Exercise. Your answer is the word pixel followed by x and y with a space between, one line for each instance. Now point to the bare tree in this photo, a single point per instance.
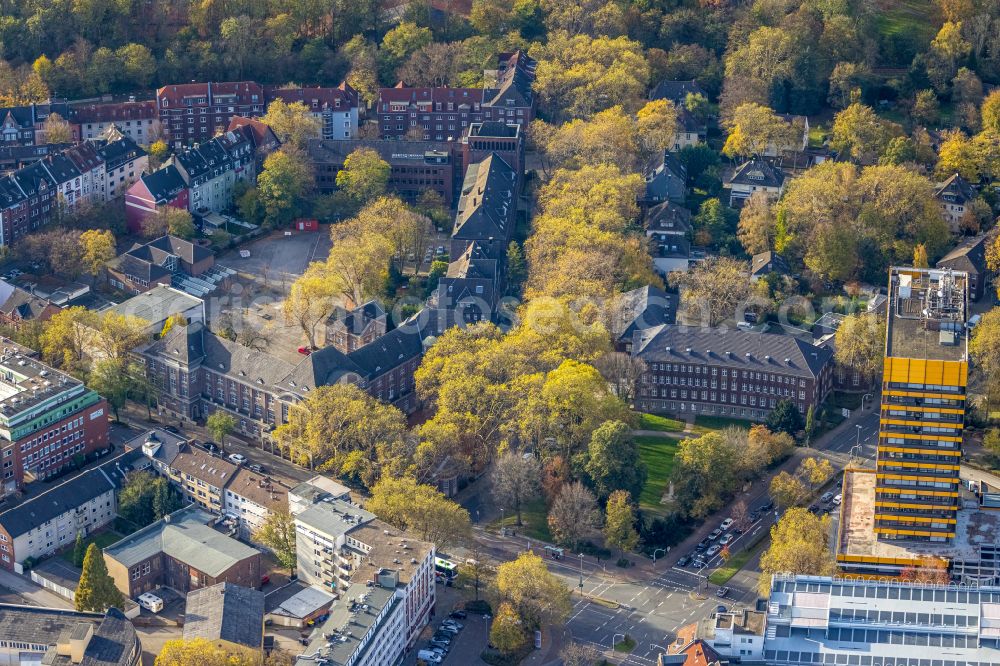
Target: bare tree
pixel 622 371
pixel 740 515
pixel 573 513
pixel 580 654
pixel 516 478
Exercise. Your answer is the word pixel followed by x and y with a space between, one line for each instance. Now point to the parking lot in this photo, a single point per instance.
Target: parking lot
pixel 466 646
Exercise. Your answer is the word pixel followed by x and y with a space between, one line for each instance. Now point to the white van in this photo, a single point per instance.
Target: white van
pixel 151 602
pixel 429 656
pixel 973 320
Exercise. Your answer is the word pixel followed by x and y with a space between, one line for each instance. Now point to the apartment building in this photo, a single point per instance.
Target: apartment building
pixel 33 635
pixel 728 372
pixel 351 330
pixel 47 418
pixel 505 139
pixel 880 622
pixel 445 114
pixel 146 265
pixel 338 544
pixel 194 112
pixel 23 125
pixel 335 108
pixel 251 497
pixel 487 209
pixel 49 518
pixel 183 552
pixel 138 120
pixel 163 187
pixel 211 170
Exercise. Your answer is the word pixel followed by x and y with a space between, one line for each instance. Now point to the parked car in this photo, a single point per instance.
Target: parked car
pixel 429 656
pixel 838 498
pixel 715 535
pixel 305 351
pixel 260 469
pixel 711 552
pixel 698 562
pixel 684 561
pixel 720 609
pixel 170 428
pixel 814 509
pixel 728 538
pixel 211 446
pixel 439 644
pixel 265 579
pixel 703 544
pixel 237 458
pixel 448 629
pixel 442 637
pixel 826 497
pixel 726 524
pixel 722 593
pixel 151 602
pixel 453 623
pixel 458 614
pixel 767 507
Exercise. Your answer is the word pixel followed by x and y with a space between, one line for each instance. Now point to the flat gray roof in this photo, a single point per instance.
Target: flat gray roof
pixel 334 517
pixel 157 304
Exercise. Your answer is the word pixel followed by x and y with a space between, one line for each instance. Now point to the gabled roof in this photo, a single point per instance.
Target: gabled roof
pixel 226 612
pixel 185 536
pixel 643 308
pixel 316 98
pixel 668 217
pixel 33 178
pixel 746 350
pixel 676 91
pixel 61 167
pixel 85 156
pixel 955 189
pixel 158 250
pixel 119 150
pixel 768 262
pixel 183 343
pixel 405 342
pixel 968 256
pixel 35 510
pixel 419 96
pixel 486 208
pixel 243 90
pixel 514 80
pixel 759 172
pixel 260 135
pixel 115 112
pixel 20 304
pixel 164 184
pixel 203 466
pixel 358 320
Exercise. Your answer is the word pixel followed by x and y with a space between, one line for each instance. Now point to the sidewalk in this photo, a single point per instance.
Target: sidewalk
pixel 32 593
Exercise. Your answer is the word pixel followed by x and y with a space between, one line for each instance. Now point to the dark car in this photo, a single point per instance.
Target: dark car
pixel 458 614
pixel 721 609
pixel 260 469
pixel 716 533
pixel 722 593
pixel 703 544
pixel 767 507
pixel 211 446
pixel 684 561
pixel 173 429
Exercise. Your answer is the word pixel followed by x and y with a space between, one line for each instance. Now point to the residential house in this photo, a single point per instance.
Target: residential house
pixel 158 304
pixel 201 477
pixel 56 637
pixel 763 264
pixel 335 108
pixel 694 653
pixel 13 158
pixel 138 120
pixel 229 616
pixel 183 552
pixel 251 497
pixel 67 180
pixel 146 265
pixel 415 166
pixel 638 310
pixel 676 91
pixel 347 330
pixel 17 306
pixel 666 180
pixel 50 418
pixel 339 545
pixel 163 187
pixel 264 140
pixel 160 447
pixel 194 112
pixel 23 125
pixel 755 175
pixel 955 196
pixel 729 372
pixel 93 172
pixel 212 169
pixel 487 208
pixel 49 518
pixel 668 228
pixel 444 114
pixel 318 488
pixel 969 256
pixel 799 132
pixel 690 130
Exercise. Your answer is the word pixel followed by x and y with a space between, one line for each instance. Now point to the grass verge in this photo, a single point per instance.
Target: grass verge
pixel 534 516
pixel 658 454
pixel 706 424
pixel 722 575
pixel 102 539
pixel 660 423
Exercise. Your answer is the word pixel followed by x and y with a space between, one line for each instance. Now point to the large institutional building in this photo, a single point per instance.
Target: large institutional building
pixel 913 506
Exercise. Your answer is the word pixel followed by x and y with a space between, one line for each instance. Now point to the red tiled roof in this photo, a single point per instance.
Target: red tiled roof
pixel 322 96
pixel 177 92
pixel 401 93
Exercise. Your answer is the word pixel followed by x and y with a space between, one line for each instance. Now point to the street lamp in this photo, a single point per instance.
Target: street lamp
pixel 613 640
pixel 503 530
pixel 857 441
pixel 866 395
pixel 654 645
pixel 581 574
pixel 658 550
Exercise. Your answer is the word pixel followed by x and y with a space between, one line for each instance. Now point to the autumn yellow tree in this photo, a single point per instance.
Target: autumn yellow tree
pixel 420 509
pixel 201 651
pixel 310 300
pixel 57 129
pixel 609 137
pixel 292 123
pixel 365 175
pixel 787 490
pixel 815 471
pixel 358 263
pixel 534 594
pixel 860 344
pixel 98 250
pixel 859 133
pixel 958 154
pixel 800 543
pixel 754 127
pixel 657 126
pixel 712 290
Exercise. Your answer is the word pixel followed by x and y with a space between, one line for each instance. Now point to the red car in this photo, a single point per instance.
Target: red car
pixel 305 351
pixel 264 580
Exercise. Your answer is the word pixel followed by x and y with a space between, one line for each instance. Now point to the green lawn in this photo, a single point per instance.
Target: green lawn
pixel 534 517
pixel 626 645
pixel 907 18
pixel 817 133
pixel 660 423
pixel 705 424
pixel 739 560
pixel 102 539
pixel 658 454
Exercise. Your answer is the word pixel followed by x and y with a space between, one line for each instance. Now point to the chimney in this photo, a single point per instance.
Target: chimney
pixel 75 645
